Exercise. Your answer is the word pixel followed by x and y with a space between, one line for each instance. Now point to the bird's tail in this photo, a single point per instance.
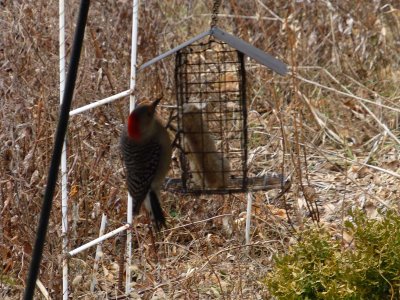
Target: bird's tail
pixel 157 213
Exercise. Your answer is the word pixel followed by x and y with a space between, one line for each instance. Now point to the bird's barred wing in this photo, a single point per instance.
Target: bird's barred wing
pixel 141 162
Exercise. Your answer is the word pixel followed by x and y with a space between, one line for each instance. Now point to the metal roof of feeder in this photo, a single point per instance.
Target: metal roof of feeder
pixel 240 45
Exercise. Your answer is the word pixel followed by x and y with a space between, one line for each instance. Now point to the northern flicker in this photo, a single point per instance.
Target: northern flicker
pixel 146 152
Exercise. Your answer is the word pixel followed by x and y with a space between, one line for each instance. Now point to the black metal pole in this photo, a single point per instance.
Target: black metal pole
pixel 58 144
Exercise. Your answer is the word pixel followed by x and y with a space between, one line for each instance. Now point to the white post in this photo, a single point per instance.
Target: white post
pixel 98 251
pixel 64 179
pixel 132 84
pixel 248 217
pixel 129 218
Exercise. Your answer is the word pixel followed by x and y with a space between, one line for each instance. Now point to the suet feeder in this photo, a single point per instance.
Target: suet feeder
pixel 211 113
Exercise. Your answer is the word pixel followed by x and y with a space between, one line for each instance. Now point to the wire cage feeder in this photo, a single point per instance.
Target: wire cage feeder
pixel 212 134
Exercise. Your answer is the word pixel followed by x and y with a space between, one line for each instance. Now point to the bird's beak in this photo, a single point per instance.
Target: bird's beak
pixel 154 104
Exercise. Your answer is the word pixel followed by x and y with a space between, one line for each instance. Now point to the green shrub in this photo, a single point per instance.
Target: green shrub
pixel 318 268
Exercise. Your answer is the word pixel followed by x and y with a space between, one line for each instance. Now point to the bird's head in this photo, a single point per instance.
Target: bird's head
pixel 141 121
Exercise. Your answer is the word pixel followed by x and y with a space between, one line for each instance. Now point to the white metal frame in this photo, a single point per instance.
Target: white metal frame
pixel 64 178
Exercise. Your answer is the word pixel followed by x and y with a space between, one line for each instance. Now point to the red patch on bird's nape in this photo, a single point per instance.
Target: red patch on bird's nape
pixel 133 127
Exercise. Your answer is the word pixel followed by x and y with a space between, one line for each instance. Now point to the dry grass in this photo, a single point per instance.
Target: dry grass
pixel 333 124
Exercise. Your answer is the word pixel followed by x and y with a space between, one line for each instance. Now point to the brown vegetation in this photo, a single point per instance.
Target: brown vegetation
pixel 333 124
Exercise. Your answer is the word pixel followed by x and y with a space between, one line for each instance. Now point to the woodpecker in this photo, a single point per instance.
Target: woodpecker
pixel 146 152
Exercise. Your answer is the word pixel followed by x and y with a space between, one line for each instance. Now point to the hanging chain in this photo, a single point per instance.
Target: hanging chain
pixel 214 16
